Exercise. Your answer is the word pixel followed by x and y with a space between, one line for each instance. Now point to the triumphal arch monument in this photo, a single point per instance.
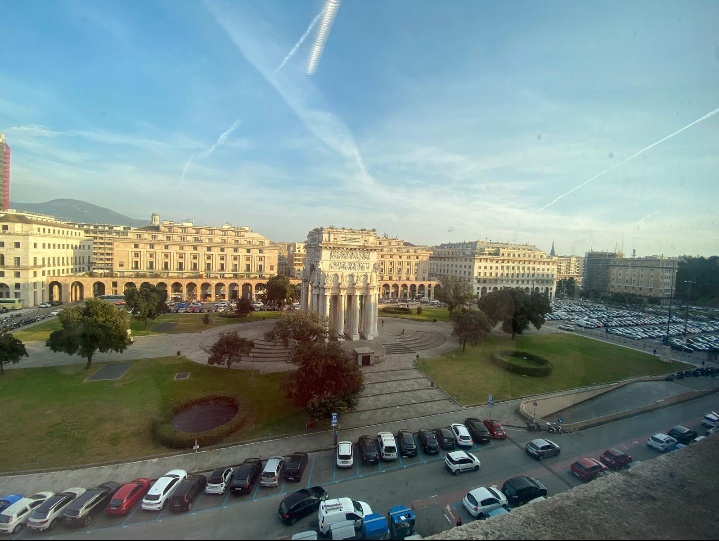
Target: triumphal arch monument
pixel 340 281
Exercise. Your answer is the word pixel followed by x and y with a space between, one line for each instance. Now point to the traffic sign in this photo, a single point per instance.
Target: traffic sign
pixel 560 420
pixel 491 400
pixel 334 419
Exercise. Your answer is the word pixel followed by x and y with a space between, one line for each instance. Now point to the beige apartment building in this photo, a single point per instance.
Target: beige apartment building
pixel 103 246
pixel 570 266
pixel 36 249
pixel 296 256
pixel 490 266
pixel 652 276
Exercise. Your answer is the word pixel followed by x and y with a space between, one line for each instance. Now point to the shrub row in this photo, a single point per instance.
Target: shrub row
pixel 508 360
pixel 396 310
pixel 169 436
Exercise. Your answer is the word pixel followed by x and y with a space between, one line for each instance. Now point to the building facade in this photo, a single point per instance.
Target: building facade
pixel 490 266
pixel 570 266
pixel 103 251
pixel 652 276
pixel 295 259
pixel 597 274
pixel 4 172
pixel 36 249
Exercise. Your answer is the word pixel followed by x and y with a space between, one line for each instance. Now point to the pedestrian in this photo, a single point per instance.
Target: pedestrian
pixel 459 521
pixel 383 322
pixel 655 351
pixel 402 331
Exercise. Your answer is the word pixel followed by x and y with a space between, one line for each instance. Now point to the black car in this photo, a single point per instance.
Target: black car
pixel 682 347
pixel 368 449
pixel 428 441
pixel 88 504
pixel 521 489
pixel 246 476
pixel 300 504
pixel 186 493
pixel 445 438
pixel 682 434
pixel 407 445
pixel 55 303
pixel 295 466
pixel 477 430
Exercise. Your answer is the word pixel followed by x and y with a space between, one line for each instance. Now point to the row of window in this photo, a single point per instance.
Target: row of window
pixel 201 239
pixel 209 267
pixel 194 248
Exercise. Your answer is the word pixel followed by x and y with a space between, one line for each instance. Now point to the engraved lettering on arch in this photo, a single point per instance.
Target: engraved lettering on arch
pixel 349 265
pixel 349 254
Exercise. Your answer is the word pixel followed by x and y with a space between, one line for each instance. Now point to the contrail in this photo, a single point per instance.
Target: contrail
pixel 329 12
pixel 221 139
pixel 642 151
pixel 186 166
pixel 301 40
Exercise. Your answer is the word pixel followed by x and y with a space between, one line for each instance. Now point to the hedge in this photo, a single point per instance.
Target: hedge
pixel 396 310
pixel 505 359
pixel 169 436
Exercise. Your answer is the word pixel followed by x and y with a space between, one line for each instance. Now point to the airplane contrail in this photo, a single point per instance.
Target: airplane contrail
pixel 301 40
pixel 221 139
pixel 642 151
pixel 186 166
pixel 329 11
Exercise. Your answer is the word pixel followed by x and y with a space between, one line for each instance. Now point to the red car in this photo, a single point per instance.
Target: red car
pixel 126 496
pixel 495 429
pixel 615 459
pixel 587 468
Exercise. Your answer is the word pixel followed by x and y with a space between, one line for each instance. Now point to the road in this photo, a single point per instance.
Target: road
pixel 422 482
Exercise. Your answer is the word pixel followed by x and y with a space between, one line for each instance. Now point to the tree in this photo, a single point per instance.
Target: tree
pixel 454 292
pixel 566 287
pixel 206 319
pixel 244 307
pixel 87 328
pixel 327 379
pixel 145 303
pixel 298 327
pixel 279 289
pixel 470 325
pixel 515 309
pixel 11 350
pixel 230 348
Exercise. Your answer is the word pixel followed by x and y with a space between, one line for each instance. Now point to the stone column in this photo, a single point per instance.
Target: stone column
pixel 304 296
pixel 340 313
pixel 354 321
pixel 326 297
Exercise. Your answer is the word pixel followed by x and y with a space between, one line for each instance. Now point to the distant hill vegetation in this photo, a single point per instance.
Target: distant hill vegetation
pixel 74 210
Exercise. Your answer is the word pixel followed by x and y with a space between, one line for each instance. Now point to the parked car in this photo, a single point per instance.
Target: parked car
pixel 295 466
pixel 683 434
pixel 477 430
pixel 495 428
pixel 159 494
pixel 301 503
pixel 14 517
pixel 187 491
pixel 44 305
pixel 387 446
pixel 445 438
pixel 219 480
pixel 522 489
pixel 661 442
pixel 345 454
pixel 480 501
pixel 272 473
pixel 711 420
pixel 245 476
pixel 90 503
pixel 127 495
pixel 47 515
pixel 407 445
pixel 587 468
pixel 460 461
pixel 428 441
pixel 9 499
pixel 368 449
pixel 615 459
pixel 542 448
pixel 461 435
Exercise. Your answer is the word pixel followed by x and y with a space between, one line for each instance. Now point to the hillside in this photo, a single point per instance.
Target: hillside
pixel 79 211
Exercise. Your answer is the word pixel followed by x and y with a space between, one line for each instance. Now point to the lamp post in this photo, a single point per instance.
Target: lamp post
pixel 686 315
pixel 671 297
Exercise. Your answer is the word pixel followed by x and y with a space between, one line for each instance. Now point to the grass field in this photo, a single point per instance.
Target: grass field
pixel 56 418
pixel 429 313
pixel 470 376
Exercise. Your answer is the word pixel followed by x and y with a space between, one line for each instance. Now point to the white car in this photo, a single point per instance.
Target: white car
pixel 459 461
pixel 345 454
pixel 219 480
pixel 47 515
pixel 162 489
pixel 44 305
pixel 482 500
pixel 16 515
pixel 461 435
pixel 711 420
pixel 661 442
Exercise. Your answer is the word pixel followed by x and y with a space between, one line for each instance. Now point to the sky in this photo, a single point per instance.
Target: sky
pixel 593 125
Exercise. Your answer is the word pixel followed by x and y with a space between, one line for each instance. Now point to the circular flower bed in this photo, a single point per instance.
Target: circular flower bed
pixel 521 362
pixel 207 419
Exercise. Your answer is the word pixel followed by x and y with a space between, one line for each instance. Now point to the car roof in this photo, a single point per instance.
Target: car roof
pixel 588 462
pixel 125 489
pixel 482 492
pixel 297 496
pixel 521 481
pixel 460 454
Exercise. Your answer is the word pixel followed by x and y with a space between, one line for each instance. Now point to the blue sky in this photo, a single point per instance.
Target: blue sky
pixel 428 121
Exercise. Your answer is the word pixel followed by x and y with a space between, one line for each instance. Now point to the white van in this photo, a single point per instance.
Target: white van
pixel 341 510
pixel 387 445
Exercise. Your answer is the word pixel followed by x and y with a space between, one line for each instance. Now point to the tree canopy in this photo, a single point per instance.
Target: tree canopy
pixel 230 348
pixel 515 309
pixel 454 292
pixel 145 303
pixel 94 326
pixel 327 379
pixel 279 290
pixel 297 327
pixel 244 307
pixel 470 325
pixel 11 350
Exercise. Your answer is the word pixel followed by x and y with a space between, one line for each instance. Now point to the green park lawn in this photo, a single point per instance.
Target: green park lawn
pixel 470 376
pixel 429 313
pixel 53 417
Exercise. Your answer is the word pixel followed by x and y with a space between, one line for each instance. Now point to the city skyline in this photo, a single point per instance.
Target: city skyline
pixel 593 127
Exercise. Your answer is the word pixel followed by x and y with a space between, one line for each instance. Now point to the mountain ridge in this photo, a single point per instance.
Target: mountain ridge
pixel 75 210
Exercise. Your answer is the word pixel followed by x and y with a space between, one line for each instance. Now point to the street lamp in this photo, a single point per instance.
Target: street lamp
pixel 686 315
pixel 671 297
